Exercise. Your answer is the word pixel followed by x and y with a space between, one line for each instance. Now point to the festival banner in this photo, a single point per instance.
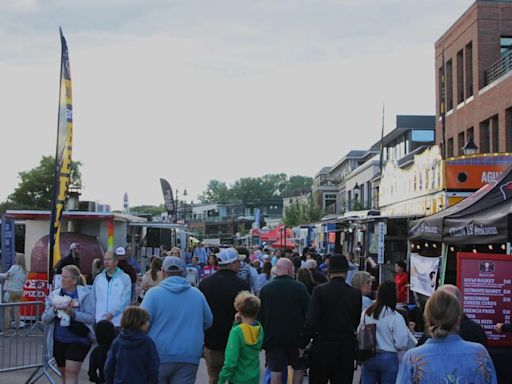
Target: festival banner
pixel 168 199
pixel 423 273
pixel 62 158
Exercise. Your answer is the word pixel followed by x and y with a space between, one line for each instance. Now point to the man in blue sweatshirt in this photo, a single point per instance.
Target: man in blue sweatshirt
pixel 179 315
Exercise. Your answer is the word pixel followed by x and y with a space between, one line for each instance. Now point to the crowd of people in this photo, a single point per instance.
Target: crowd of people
pixel 299 309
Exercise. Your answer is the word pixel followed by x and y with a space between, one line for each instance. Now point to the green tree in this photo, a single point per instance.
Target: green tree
pixel 35 188
pixel 297 185
pixel 216 191
pixel 270 186
pixel 153 210
pixel 302 213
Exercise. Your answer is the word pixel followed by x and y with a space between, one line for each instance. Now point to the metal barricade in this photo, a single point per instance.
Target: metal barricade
pixel 23 342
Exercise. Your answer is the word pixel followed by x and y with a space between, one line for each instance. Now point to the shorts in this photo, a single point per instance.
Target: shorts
pixel 69 351
pixel 279 358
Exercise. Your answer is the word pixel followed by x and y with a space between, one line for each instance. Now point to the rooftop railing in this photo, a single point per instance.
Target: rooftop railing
pixel 498 69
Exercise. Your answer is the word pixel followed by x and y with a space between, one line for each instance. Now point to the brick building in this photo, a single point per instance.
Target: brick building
pixel 477 51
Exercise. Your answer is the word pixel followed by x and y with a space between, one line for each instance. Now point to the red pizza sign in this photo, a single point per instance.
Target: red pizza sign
pixel 485 282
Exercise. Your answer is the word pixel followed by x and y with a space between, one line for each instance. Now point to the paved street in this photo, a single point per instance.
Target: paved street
pixel 10 349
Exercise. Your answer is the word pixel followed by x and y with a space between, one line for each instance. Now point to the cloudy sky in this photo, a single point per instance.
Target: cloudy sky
pixel 193 90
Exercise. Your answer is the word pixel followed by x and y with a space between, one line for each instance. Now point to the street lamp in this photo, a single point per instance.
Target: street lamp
pixel 470 147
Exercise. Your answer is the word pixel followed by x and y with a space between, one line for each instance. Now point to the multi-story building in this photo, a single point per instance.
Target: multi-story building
pixel 475 54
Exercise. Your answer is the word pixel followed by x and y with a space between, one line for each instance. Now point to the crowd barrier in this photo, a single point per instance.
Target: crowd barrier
pixel 24 347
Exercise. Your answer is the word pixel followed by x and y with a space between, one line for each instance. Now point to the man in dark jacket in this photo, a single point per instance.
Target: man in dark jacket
pixel 220 290
pixel 284 303
pixel 73 258
pixel 331 321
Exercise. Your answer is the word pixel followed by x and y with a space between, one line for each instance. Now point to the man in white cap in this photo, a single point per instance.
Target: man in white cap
pixel 179 315
pixel 220 290
pixel 73 258
pixel 125 266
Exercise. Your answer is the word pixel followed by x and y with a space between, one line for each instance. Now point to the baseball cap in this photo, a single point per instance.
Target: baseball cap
pixel 120 251
pixel 74 246
pixel 227 256
pixel 173 263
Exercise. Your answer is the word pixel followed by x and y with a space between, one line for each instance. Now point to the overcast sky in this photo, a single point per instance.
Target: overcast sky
pixel 192 90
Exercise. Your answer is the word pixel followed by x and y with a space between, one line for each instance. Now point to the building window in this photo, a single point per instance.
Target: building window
pixel 450 147
pixel 441 94
pixel 460 76
pixel 369 196
pixel 485 137
pixel 469 70
pixel 449 85
pixel 461 141
pixel 494 136
pixel 505 45
pixel 508 129
pixel 470 132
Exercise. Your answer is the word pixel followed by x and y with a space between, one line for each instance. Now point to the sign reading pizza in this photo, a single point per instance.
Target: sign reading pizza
pixel 485 282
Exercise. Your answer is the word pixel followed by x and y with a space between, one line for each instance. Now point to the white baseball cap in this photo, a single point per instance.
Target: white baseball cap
pixel 120 251
pixel 227 256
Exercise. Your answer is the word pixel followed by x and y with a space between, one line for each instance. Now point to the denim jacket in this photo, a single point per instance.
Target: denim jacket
pixel 447 360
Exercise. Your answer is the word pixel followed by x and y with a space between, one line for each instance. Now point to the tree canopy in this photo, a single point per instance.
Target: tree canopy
pixel 35 188
pixel 271 186
pixel 302 212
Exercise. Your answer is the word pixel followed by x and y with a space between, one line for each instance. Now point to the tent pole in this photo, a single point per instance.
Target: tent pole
pixel 444 257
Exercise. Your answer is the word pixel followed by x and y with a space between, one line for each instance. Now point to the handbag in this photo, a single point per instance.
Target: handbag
pixel 78 328
pixel 366 341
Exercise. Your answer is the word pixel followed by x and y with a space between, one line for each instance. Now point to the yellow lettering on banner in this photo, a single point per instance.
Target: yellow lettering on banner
pixel 67 85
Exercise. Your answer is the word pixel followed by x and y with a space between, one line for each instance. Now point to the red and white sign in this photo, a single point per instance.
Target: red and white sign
pixel 485 282
pixel 35 289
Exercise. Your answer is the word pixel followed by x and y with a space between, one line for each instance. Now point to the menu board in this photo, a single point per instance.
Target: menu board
pixel 485 282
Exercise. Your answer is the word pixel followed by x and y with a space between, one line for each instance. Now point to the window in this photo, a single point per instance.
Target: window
pixel 422 135
pixel 461 141
pixel 441 93
pixel 449 152
pixel 470 133
pixel 485 139
pixel 469 70
pixel 449 85
pixel 508 129
pixel 494 136
pixel 505 45
pixel 460 76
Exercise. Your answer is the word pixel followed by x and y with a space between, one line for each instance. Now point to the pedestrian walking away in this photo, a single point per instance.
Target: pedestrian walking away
pixel 284 303
pixel 220 291
pixel 179 314
pixel 133 358
pixel 242 357
pixel 332 318
pixel 446 358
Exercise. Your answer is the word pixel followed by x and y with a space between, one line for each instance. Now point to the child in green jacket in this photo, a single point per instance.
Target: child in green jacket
pixel 242 355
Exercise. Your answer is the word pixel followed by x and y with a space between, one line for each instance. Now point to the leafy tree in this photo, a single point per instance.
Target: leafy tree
pixel 297 185
pixel 270 186
pixel 35 188
pixel 216 191
pixel 302 213
pixel 153 210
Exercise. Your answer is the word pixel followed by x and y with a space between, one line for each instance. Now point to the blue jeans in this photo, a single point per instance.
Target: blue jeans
pixel 381 368
pixel 177 373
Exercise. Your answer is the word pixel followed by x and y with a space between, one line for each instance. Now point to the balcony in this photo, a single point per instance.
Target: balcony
pixel 498 69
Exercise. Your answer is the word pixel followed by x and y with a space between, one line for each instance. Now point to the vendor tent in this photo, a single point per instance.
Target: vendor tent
pixel 481 218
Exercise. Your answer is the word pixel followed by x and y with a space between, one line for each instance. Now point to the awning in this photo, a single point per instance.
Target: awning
pixel 481 218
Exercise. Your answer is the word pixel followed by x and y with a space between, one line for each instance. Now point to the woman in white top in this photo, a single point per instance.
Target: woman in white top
pixel 13 287
pixel 392 336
